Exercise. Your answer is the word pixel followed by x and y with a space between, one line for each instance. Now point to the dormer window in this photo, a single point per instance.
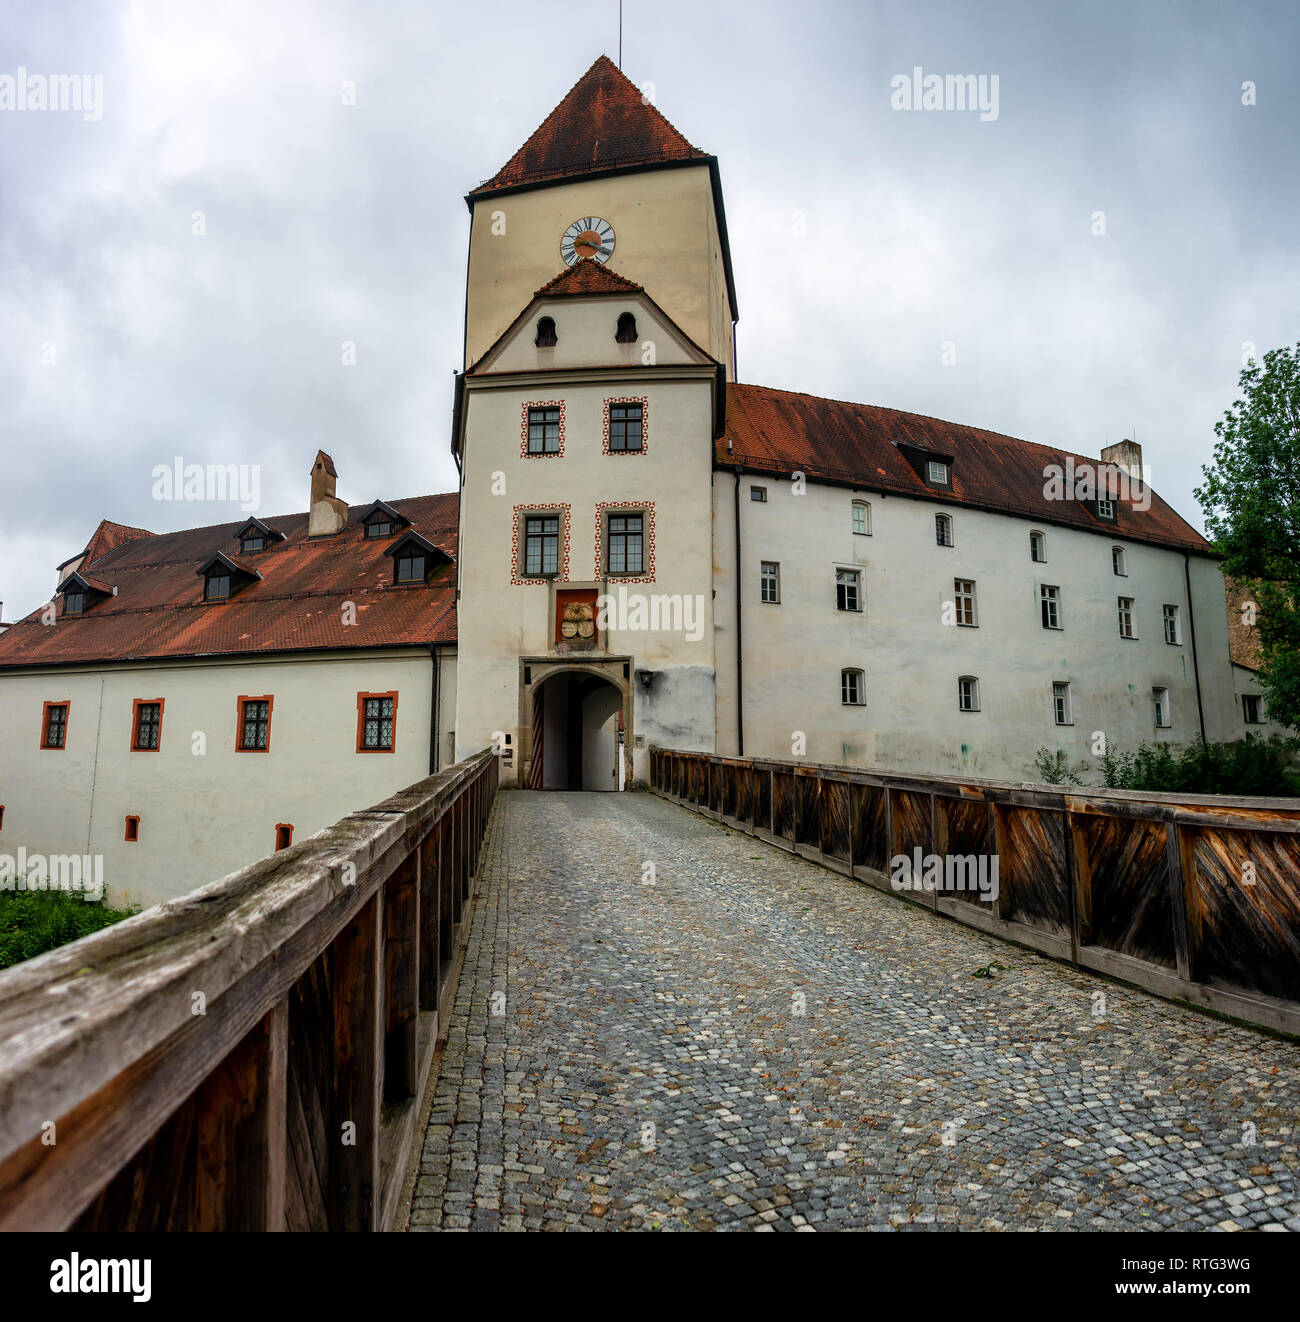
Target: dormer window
pixel 411 568
pixel 415 558
pixel 626 333
pixel 1106 510
pixel 382 520
pixel 222 578
pixel 80 593
pixel 256 536
pixel 937 472
pixel 546 336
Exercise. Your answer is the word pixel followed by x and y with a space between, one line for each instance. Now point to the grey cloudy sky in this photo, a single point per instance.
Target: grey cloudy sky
pixel 863 237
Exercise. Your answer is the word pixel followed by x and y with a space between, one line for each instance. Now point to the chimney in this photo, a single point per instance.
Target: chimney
pixel 326 514
pixel 1126 455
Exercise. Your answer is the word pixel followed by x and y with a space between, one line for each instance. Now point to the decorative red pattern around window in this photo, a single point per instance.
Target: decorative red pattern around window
pixel 517 577
pixel 523 443
pixel 648 508
pixel 645 423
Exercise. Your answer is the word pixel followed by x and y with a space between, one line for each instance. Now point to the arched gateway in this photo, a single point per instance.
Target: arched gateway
pixel 575 723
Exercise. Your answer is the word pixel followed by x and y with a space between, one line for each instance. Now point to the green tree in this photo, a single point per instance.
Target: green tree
pixel 1251 500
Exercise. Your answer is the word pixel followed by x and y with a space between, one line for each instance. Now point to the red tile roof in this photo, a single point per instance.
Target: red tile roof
pixel 587 276
pixel 297 604
pixel 779 432
pixel 602 123
pixel 107 537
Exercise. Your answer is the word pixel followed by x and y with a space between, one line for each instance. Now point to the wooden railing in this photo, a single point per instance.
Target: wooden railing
pixel 1193 897
pixel 253 1054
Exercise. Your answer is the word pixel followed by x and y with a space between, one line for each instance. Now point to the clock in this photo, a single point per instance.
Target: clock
pixel 588 237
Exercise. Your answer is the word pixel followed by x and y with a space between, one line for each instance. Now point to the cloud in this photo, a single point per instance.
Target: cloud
pixel 324 223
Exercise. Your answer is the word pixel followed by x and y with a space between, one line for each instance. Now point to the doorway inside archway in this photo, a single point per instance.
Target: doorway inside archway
pixel 577 720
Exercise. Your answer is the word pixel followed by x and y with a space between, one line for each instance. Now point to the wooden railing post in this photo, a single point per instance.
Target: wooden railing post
pixel 240 1132
pixel 352 1140
pixel 402 978
pixel 1180 856
pixel 1000 839
pixel 1080 882
pixel 430 922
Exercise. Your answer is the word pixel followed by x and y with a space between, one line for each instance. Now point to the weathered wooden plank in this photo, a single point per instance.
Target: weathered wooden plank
pixel 401 978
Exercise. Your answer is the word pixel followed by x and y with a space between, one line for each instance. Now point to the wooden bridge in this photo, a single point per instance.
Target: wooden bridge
pixel 255 1055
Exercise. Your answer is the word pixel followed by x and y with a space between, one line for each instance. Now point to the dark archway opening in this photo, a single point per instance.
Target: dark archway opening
pixel 577 720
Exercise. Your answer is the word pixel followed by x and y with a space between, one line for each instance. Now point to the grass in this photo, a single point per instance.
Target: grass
pixel 32 922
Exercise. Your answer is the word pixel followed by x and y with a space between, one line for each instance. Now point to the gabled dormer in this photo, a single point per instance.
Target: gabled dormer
pixel 415 558
pixel 81 592
pixel 589 316
pixel 223 577
pixel 381 520
pixel 255 536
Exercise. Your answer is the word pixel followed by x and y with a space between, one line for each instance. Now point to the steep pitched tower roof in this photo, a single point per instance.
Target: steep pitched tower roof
pixel 602 124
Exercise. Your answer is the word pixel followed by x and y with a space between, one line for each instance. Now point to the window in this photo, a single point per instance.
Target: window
pixel 626 333
pixel 759 494
pixel 544 430
pixel 1038 547
pixel 1117 561
pixel 848 590
pixel 1049 600
pixel 132 833
pixel 411 568
pixel 546 337
pixel 769 582
pixel 968 693
pixel 625 432
pixel 254 725
pixel 943 530
pixel 964 600
pixel 1126 618
pixel 378 528
pixel 1249 710
pixel 54 725
pixel 376 714
pixel 862 518
pixel 938 471
pixel 146 726
pixel 2 816
pixel 1173 631
pixel 542 545
pixel 1061 704
pixel 216 587
pixel 283 835
pixel 626 542
pixel 252 543
pixel 1160 701
pixel 1106 510
pixel 852 689
pixel 74 603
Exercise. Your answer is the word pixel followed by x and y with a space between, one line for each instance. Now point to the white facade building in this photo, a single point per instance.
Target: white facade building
pixel 642 552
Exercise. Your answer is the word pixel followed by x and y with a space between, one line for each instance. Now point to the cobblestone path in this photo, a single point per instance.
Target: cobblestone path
pixel 746 1040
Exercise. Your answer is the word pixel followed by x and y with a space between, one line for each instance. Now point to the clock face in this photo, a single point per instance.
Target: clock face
pixel 588 237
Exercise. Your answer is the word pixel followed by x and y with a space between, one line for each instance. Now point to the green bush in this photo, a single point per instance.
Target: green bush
pixel 1249 766
pixel 32 922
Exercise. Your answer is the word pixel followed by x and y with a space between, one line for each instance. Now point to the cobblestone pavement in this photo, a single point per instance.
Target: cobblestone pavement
pixel 746 1040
